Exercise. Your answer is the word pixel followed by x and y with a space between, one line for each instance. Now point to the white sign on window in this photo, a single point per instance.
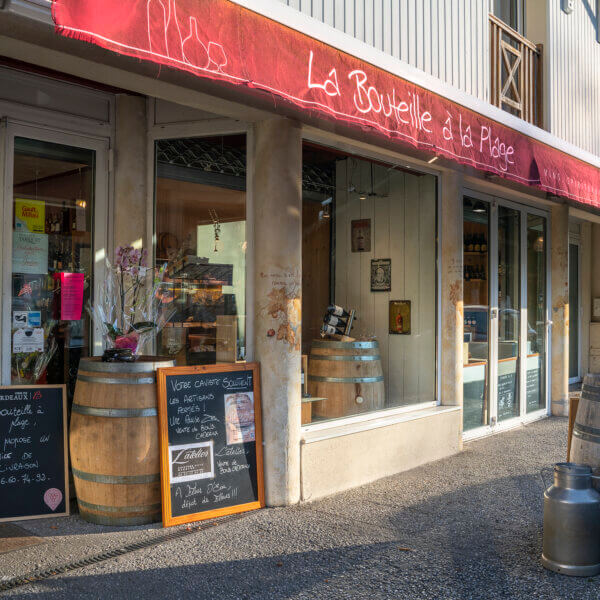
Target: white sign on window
pixel 30 253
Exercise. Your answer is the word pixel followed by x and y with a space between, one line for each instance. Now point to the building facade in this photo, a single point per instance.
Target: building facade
pixel 433 166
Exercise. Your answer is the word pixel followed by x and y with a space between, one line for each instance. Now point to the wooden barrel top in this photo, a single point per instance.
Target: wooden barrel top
pixel 144 364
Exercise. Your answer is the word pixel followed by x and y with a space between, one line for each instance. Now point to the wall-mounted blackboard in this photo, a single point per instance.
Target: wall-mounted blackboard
pixel 34 480
pixel 211 441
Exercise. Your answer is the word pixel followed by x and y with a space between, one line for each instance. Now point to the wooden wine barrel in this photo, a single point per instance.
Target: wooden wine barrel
pixel 114 441
pixel 348 375
pixel 585 444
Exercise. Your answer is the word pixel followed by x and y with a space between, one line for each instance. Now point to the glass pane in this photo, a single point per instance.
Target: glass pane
pixel 573 311
pixel 509 311
pixel 201 229
pixel 53 199
pixel 476 315
pixel 369 246
pixel 536 312
pixel 511 12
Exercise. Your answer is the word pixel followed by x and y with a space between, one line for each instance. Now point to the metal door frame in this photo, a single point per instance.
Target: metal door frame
pixel 492 385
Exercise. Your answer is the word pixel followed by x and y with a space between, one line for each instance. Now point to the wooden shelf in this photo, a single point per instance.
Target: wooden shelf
pixel 484 253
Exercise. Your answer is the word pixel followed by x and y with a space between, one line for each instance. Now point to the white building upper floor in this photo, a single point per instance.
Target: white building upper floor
pixel 538 59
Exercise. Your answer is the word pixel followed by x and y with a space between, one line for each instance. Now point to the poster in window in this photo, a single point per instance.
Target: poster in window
pixel 381 275
pixel 361 235
pixel 400 317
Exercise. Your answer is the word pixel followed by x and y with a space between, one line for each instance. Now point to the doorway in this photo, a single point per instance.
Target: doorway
pixel 53 235
pixel 505 311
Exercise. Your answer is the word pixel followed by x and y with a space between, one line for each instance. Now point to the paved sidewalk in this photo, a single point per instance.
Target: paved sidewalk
pixel 466 527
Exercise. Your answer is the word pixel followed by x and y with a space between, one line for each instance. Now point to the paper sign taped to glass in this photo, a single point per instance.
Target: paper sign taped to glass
pixel 28 340
pixel 30 253
pixel 23 319
pixel 30 215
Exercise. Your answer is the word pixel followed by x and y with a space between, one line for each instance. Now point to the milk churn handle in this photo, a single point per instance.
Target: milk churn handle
pixel 542 471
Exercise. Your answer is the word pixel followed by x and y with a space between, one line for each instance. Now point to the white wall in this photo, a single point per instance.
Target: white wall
pixel 571 69
pixel 447 38
pixel 574 74
pixel 403 228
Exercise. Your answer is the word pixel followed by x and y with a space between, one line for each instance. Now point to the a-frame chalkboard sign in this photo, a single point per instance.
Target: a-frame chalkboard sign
pixel 210 441
pixel 34 468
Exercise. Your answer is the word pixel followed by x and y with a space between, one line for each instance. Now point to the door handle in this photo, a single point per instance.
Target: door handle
pixel 494 313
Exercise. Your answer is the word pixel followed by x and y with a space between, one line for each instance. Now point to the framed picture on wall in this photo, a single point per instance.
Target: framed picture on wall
pixel 361 235
pixel 400 317
pixel 381 275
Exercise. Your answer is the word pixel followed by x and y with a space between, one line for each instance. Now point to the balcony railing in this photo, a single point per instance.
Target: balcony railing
pixel 516 72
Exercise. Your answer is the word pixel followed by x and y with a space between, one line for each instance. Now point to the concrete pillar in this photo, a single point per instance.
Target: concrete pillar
pixel 131 221
pixel 595 266
pixel 451 293
pixel 276 175
pixel 585 276
pixel 594 356
pixel 560 310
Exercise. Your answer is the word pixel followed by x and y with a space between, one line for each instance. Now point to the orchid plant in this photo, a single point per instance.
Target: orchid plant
pixel 131 308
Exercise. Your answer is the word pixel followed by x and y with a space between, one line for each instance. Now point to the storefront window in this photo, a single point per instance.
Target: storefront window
pixel 201 232
pixel 369 248
pixel 53 198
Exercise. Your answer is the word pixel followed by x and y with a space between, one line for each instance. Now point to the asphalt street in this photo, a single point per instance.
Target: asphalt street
pixel 469 526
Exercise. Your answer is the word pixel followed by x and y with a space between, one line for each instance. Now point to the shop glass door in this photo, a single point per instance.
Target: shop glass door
pixel 508 277
pixel 505 312
pixel 537 306
pixel 49 245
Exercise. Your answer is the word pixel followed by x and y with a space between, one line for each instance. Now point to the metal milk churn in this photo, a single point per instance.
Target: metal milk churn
pixel 572 522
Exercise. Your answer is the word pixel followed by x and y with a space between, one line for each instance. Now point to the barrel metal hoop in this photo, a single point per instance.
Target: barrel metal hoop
pixel 587 433
pixel 117 479
pixel 118 380
pixel 120 413
pixel 590 394
pixel 139 366
pixel 118 509
pixel 349 357
pixel 328 344
pixel 345 379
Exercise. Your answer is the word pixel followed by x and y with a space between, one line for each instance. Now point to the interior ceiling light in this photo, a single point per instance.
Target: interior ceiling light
pixel 479 207
pixel 80 203
pixel 432 160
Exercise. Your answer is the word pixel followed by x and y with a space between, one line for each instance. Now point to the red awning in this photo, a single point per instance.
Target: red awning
pixel 223 41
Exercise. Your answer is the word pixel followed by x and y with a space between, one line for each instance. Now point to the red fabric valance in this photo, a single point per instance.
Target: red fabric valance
pixel 222 41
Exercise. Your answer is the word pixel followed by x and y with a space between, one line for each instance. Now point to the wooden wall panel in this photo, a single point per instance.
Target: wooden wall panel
pixel 403 228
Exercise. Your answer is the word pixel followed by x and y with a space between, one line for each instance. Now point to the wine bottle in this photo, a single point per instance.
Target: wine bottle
pixel 471 244
pixel 484 244
pixel 334 321
pixel 338 311
pixel 330 330
pixel 477 244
